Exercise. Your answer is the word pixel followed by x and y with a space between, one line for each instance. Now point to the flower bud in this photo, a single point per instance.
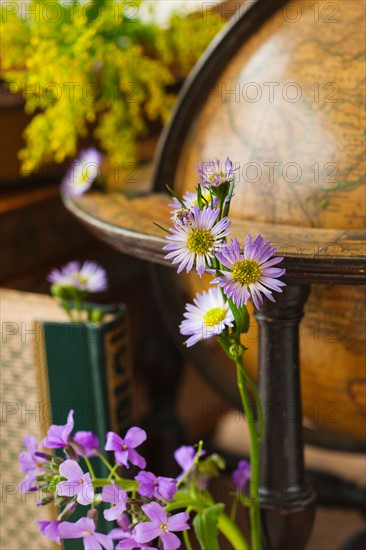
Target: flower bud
pixel 236 350
pixel 93 514
pixel 71 453
pixel 46 500
pixel 67 511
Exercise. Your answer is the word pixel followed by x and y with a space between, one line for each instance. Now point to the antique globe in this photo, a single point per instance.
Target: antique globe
pixel 283 99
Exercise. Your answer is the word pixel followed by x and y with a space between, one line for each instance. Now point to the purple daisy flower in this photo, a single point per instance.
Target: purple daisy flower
pixel 215 173
pixel 89 277
pixel 77 483
pixel 159 487
pixel 115 495
pixel 31 464
pixel 88 441
pixel 161 526
pixel 59 436
pixel 208 317
pixel 250 273
pixel 180 214
pixel 85 528
pixel 185 456
pixel 124 449
pixel 241 475
pixel 196 240
pixel 64 277
pixel 82 173
pixel 50 529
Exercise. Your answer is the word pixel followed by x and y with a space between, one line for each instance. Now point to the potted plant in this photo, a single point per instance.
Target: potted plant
pixel 97 67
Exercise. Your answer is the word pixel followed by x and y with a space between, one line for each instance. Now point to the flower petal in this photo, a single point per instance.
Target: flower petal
pixel 114 442
pixel 134 437
pixel 145 532
pixel 170 541
pixel 71 470
pixel 104 540
pixel 68 488
pixel 178 522
pixel 91 543
pixel 155 512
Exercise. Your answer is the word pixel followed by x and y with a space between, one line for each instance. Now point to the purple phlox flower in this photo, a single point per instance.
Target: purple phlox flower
pixel 195 242
pixel 249 273
pixel 214 172
pixel 185 456
pixel 77 483
pixel 88 441
pixel 124 449
pixel 59 436
pixel 82 173
pixel 30 463
pixel 115 495
pixel 50 529
pixel 241 475
pixel 123 530
pixel 161 526
pixel 158 487
pixel 209 316
pixel 85 528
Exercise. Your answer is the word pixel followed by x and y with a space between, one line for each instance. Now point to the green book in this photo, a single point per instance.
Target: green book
pixel 87 368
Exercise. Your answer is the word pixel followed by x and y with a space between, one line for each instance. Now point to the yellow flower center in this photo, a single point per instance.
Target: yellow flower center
pixel 214 316
pixel 246 272
pixel 164 527
pixel 85 175
pixel 200 241
pixel 88 532
pixel 80 278
pixel 206 196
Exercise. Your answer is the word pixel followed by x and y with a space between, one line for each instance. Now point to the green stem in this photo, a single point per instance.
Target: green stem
pixel 67 308
pixel 113 472
pixel 127 484
pixel 78 309
pixel 258 403
pixel 90 467
pixel 255 527
pixel 194 464
pixel 105 461
pixel 234 508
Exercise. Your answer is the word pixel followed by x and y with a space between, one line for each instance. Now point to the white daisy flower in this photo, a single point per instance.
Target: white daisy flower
pixel 209 316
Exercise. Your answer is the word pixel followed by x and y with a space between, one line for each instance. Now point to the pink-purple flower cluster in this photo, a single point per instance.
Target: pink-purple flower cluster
pixel 139 506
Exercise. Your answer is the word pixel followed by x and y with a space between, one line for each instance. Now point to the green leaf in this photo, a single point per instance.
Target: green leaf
pixel 174 194
pixel 241 317
pixel 199 197
pixel 205 526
